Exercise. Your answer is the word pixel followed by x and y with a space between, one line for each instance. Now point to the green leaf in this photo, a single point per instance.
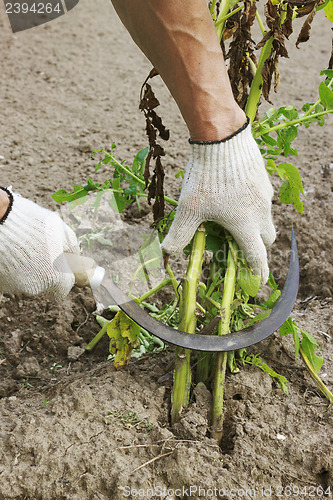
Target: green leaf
pixel 290 112
pixel 118 202
pixel 139 161
pixel 292 174
pixel 328 9
pixel 287 328
pixel 107 158
pixel 232 362
pixel 290 327
pixel 113 327
pixel 271 282
pixel 326 96
pixel 216 240
pixel 280 379
pixel 123 356
pixel 116 183
pixel 309 337
pixel 309 350
pixel 296 342
pixel 259 317
pixel 290 194
pixel 285 192
pixel 322 6
pixel 286 137
pixel 123 333
pixel 129 328
pixel 270 303
pixel 269 140
pixel 250 283
pixel 327 72
pixel 63 195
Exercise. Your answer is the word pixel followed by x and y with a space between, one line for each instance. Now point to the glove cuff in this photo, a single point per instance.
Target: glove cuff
pixel 226 138
pixel 10 206
pixel 226 163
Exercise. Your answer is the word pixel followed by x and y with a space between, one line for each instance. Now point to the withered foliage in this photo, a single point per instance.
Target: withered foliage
pixel 154 125
pixel 306 8
pixel 241 48
pixel 279 31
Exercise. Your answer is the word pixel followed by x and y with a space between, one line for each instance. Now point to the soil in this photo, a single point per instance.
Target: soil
pixel 72 427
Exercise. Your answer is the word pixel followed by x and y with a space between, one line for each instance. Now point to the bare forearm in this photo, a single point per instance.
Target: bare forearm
pixel 179 39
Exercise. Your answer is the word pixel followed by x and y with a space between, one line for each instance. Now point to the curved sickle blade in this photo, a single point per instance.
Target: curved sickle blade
pixel 215 343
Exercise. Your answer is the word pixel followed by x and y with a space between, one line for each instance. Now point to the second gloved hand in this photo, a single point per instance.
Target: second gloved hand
pixel 226 182
pixel 31 240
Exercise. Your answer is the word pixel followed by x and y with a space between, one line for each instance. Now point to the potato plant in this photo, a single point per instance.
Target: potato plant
pixel 218 294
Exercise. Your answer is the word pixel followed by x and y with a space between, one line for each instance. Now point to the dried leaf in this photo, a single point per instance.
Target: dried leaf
pixel 240 49
pixel 305 9
pixel 287 26
pixel 267 74
pixel 148 101
pixel 276 74
pixel 229 31
pixel 158 209
pixel 299 3
pixel 279 33
pixel 157 123
pixel 147 167
pixel 264 40
pixel 304 34
pixel 154 124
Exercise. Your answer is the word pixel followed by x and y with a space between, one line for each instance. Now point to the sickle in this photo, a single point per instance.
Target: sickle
pixel 214 343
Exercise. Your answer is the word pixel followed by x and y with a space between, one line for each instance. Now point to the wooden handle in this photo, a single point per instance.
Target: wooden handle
pixel 83 268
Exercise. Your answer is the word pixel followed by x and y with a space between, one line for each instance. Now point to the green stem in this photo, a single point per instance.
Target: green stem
pixel 308 112
pixel 222 357
pixel 143 297
pixel 261 24
pixel 212 7
pixel 251 64
pixel 157 288
pixel 283 125
pixel 220 22
pixel 127 170
pixel 256 85
pixel 182 373
pixel 224 18
pixel 142 267
pixel 317 380
pixel 204 365
pixel 97 337
pixel 174 282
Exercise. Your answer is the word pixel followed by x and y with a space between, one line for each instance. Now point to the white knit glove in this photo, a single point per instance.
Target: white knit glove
pixel 31 239
pixel 226 182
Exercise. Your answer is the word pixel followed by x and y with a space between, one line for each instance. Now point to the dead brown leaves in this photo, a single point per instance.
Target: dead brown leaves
pixel 279 17
pixel 306 8
pixel 154 125
pixel 241 48
pixel 279 31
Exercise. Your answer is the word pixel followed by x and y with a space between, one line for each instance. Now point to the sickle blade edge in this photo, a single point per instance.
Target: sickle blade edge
pixel 216 343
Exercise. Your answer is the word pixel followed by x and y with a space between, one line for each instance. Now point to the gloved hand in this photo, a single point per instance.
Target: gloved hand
pixel 226 182
pixel 31 239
